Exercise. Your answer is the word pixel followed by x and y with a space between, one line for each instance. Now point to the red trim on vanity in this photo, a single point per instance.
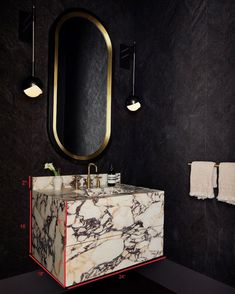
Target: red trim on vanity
pixel 65 239
pixel 30 213
pixel 30 182
pixel 46 270
pixel 117 272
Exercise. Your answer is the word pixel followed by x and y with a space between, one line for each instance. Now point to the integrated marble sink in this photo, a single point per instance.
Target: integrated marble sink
pixel 105 191
pixel 80 192
pixel 102 192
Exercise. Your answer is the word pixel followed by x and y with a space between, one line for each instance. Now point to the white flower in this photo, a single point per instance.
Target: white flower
pixel 50 166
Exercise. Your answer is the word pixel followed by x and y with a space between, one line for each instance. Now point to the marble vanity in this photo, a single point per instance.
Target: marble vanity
pixel 81 234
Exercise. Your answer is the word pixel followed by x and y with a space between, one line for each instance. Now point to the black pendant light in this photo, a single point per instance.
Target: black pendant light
pixel 132 102
pixel 32 86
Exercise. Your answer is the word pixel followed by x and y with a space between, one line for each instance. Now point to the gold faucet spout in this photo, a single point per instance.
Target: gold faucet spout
pixel 89 173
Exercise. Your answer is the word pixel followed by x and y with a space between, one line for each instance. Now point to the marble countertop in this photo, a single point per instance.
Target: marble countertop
pixel 70 194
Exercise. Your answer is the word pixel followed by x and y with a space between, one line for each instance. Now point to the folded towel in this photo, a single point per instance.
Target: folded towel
pixel 227 182
pixel 203 179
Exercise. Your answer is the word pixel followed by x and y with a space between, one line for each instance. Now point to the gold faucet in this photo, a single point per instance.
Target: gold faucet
pixel 89 174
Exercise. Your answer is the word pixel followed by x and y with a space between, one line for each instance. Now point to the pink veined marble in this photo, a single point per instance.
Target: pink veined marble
pixel 78 238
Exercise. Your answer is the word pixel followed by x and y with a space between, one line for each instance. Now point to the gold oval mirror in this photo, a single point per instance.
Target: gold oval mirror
pixel 80 76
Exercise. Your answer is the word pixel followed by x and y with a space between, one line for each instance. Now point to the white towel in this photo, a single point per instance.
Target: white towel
pixel 227 182
pixel 203 179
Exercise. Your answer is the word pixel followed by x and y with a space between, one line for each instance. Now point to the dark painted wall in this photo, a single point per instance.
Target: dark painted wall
pixel 185 74
pixel 25 146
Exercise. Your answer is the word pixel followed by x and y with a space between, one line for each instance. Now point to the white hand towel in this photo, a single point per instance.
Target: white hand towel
pixel 227 182
pixel 203 178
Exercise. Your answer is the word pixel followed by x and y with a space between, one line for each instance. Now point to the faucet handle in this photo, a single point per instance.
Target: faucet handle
pixel 76 181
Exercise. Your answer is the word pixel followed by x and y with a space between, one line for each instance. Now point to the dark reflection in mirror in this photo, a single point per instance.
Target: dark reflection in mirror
pixel 80 75
pixel 82 84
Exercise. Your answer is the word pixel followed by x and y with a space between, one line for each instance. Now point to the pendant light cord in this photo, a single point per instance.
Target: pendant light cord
pixel 133 71
pixel 33 40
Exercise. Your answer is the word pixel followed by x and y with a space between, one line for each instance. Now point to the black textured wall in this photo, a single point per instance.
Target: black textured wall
pixel 25 146
pixel 186 73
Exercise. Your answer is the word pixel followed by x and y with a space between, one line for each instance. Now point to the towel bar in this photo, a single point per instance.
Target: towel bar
pixel 216 165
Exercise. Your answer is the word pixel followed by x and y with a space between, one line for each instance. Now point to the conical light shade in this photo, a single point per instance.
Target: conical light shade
pixel 32 87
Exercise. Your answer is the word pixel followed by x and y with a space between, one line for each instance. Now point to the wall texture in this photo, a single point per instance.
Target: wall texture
pixel 185 74
pixel 25 146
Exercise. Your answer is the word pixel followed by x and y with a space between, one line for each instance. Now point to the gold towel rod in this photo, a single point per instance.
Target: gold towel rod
pixel 216 165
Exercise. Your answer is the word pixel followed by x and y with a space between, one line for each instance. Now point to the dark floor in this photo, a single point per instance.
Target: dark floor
pixel 130 282
pixel 161 277
pixel 183 280
pixel 38 282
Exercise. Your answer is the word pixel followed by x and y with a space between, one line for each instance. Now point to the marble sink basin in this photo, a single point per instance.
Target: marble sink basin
pixel 104 191
pixel 80 192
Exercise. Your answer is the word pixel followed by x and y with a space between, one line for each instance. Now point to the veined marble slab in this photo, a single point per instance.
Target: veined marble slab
pixel 96 218
pixel 89 260
pixel 48 233
pixel 96 235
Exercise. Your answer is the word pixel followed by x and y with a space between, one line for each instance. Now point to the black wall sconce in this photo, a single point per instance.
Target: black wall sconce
pixel 126 53
pixel 32 86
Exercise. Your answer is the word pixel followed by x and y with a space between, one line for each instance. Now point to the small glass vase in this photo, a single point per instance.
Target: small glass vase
pixel 57 183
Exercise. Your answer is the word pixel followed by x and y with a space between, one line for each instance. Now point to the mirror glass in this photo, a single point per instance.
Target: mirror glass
pixel 80 85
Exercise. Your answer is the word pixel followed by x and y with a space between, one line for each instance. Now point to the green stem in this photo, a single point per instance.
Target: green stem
pixel 56 173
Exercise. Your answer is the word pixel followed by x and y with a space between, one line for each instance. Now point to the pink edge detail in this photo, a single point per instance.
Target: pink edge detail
pixel 30 213
pixel 65 240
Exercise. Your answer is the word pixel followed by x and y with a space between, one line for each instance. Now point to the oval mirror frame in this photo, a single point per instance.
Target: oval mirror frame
pixel 53 84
